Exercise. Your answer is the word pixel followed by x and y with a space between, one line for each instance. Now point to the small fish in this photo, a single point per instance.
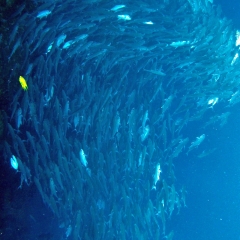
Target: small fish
pixel 81 37
pixel 13 34
pixel 68 231
pixel 83 158
pixel 49 47
pixel 61 39
pixel 117 7
pixel 212 101
pixel 53 188
pixel 148 23
pixel 196 143
pixel 235 58
pixel 14 162
pixel 238 38
pixel 124 17
pixel 206 153
pixel 145 133
pixel 68 44
pixel 15 47
pixel 23 83
pixel 156 175
pixel 116 124
pixel 19 118
pixel 179 44
pixel 43 14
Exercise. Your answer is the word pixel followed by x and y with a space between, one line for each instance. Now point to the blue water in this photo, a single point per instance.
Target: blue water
pixel 213 185
pixel 230 10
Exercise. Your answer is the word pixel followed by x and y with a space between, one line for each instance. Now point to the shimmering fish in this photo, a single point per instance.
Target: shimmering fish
pixel 61 39
pixel 235 58
pixel 156 175
pixel 83 158
pixel 212 101
pixel 148 23
pixel 43 14
pixel 117 7
pixel 23 83
pixel 68 44
pixel 179 44
pixel 145 133
pixel 124 17
pixel 14 162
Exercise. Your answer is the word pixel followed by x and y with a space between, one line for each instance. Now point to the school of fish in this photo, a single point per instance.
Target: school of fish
pixel 108 92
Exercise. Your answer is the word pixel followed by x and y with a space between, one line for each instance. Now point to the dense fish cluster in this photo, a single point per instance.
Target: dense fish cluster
pixel 108 90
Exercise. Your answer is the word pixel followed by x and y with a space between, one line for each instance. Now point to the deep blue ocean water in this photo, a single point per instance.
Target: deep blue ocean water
pixel 213 185
pixel 230 10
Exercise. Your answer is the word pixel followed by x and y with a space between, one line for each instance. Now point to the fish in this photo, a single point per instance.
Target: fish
pixel 52 187
pixel 116 124
pixel 68 231
pixel 43 14
pixel 117 7
pixel 25 173
pixel 234 59
pixel 124 17
pixel 14 33
pixel 196 143
pixel 169 236
pixel 14 162
pixel 145 133
pixel 125 98
pixel 19 118
pixel 23 83
pixel 68 44
pixel 212 101
pixel 157 72
pixel 61 39
pixel 179 44
pixel 167 103
pixel 158 90
pixel 178 149
pixel 83 158
pixel 144 119
pixel 148 23
pixel 235 98
pixel 157 175
pixel 206 153
pixel 31 140
pixel 15 47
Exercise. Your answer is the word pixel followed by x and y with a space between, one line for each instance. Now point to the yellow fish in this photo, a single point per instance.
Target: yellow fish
pixel 23 83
